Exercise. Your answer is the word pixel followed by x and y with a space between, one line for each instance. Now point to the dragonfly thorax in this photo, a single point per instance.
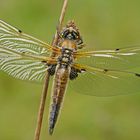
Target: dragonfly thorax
pixel 66 57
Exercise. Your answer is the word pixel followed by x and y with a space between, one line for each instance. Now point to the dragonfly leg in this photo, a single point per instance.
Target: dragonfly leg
pixel 51 69
pixel 74 73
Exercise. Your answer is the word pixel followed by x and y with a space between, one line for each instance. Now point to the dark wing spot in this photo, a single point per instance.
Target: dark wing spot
pixel 117 49
pixel 43 61
pixel 19 31
pixel 105 70
pixel 83 70
pixel 137 74
pixel 23 53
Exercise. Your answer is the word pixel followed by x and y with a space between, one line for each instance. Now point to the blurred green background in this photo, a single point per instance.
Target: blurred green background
pixel 103 24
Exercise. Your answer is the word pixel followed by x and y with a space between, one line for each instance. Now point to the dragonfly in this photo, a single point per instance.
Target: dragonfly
pixel 96 72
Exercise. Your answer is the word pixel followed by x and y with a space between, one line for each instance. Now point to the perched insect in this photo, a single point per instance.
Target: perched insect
pixel 103 72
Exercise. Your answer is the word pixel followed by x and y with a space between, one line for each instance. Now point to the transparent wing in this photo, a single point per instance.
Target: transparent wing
pixel 21 55
pixel 105 82
pixel 120 58
pixel 15 39
pixel 22 66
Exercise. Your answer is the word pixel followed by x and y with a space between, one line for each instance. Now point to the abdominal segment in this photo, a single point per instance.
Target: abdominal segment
pixel 59 87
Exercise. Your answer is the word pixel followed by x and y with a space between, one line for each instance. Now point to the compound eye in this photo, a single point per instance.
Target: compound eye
pixel 75 35
pixel 69 34
pixel 65 34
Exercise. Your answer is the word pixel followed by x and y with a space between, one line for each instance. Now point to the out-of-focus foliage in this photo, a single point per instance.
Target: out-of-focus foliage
pixel 103 24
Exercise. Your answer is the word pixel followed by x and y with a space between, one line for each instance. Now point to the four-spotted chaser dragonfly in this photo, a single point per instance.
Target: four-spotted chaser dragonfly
pixel 27 58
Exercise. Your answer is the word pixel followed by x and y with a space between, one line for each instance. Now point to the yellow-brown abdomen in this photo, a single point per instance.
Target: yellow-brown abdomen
pixel 59 87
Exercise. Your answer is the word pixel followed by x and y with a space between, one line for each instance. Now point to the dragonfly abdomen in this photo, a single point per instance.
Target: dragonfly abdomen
pixel 58 91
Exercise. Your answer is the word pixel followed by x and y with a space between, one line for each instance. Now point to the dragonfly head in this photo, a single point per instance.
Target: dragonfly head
pixel 71 32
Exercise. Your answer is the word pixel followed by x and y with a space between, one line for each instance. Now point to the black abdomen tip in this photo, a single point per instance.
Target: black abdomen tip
pixel 51 131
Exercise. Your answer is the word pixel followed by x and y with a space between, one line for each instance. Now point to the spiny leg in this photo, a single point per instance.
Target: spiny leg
pixel 74 73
